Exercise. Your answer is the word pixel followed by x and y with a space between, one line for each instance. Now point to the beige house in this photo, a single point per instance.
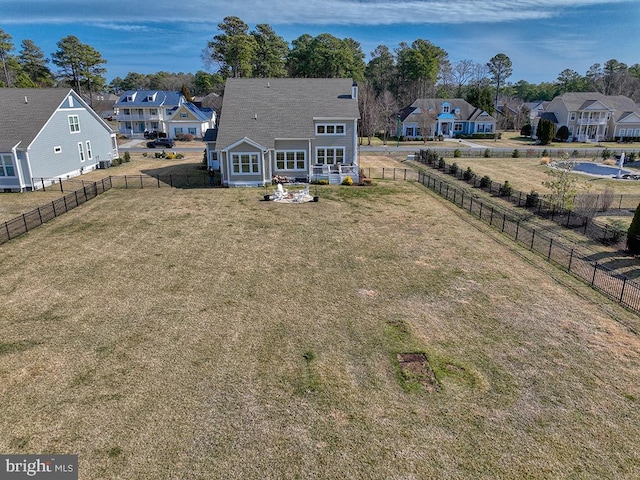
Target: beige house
pixel 594 117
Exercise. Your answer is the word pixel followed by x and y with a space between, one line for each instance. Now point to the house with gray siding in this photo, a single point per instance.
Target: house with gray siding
pixel 299 128
pixel 595 117
pixel 47 134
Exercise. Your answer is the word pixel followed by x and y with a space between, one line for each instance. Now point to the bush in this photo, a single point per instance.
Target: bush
pixel 506 189
pixel 631 157
pixel 468 174
pixel 116 161
pixel 126 158
pixel 606 154
pixel 453 168
pixel 532 199
pixel 563 133
pixel 347 181
pixel 487 153
pixel 457 153
pixel 485 182
pixel 633 234
pixel 575 154
pixel 526 130
pixel 545 153
pixel 515 154
pixel 441 163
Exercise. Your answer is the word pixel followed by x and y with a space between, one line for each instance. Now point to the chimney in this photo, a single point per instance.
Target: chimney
pixel 354 90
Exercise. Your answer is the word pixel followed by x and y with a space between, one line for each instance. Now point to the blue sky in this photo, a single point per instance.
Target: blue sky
pixel 541 37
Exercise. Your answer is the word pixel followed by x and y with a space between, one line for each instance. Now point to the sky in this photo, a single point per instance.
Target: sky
pixel 541 37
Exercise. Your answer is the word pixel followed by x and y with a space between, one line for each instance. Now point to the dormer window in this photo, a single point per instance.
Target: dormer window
pixel 446 108
pixel 151 98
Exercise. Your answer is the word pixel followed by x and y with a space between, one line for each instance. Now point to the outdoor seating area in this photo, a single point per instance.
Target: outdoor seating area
pixel 282 195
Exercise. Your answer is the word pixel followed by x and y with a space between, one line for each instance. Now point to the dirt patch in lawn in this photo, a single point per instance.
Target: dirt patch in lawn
pixel 415 368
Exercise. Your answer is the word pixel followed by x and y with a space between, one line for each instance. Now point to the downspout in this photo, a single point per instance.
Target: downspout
pixel 18 166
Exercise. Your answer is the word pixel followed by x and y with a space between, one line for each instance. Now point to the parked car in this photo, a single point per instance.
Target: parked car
pixel 150 134
pixel 161 143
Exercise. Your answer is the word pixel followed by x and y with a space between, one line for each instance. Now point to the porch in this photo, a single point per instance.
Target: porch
pixel 334 174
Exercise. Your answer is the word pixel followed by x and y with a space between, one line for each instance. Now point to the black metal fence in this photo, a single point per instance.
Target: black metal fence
pixel 582 220
pixel 30 220
pixel 616 286
pixel 526 152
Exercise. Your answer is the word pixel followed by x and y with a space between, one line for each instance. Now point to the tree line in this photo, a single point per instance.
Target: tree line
pixel 390 80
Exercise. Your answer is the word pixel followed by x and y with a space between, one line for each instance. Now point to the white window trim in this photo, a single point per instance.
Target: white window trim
pixel 89 151
pixel 3 166
pixel 238 155
pixel 57 149
pixel 74 124
pixel 81 151
pixel 335 127
pixel 334 157
pixel 295 161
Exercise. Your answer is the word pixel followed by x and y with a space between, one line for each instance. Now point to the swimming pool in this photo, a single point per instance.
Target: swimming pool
pixel 598 169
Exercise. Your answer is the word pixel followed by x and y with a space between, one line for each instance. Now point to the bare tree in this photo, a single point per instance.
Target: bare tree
pixel 462 73
pixel 388 108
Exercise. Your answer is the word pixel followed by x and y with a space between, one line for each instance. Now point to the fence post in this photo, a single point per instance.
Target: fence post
pixel 504 219
pixel 517 229
pixel 481 204
pixel 44 189
pixel 40 215
pixel 624 284
pixel 24 220
pixel 533 236
pixel 405 174
pixel 491 218
pixel 568 217
pixel 158 178
pixel 570 261
pixel 55 214
pixel 126 184
pixel 6 227
pixel 141 185
pixel 471 204
pixel 595 270
pixel 394 175
pixel 519 198
pixel 66 207
pixel 550 247
pixel 61 189
pixel 382 173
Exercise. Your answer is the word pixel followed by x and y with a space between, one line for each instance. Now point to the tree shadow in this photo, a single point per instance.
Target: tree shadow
pixel 184 175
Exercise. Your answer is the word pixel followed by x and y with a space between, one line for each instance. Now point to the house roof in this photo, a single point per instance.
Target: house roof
pixel 149 98
pixel 467 111
pixel 549 116
pixel 25 111
pixel 620 104
pixel 265 109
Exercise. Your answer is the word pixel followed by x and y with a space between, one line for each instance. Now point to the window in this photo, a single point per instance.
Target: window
pixel 193 131
pixel 621 133
pixel 573 116
pixel 81 151
pixel 89 152
pixel 637 133
pixel 74 124
pixel 457 127
pixel 446 108
pixel 245 163
pixel 184 115
pixel 177 130
pixel 57 149
pixel 153 111
pixel 291 160
pixel 329 155
pixel 330 129
pixel 6 166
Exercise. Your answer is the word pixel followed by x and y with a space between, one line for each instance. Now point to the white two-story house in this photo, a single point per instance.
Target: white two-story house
pixel 594 117
pixel 166 112
pixel 302 128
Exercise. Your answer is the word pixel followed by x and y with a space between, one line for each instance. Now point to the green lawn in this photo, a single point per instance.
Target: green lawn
pixel 198 334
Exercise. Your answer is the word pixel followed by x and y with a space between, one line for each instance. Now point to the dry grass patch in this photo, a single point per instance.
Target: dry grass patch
pixel 221 336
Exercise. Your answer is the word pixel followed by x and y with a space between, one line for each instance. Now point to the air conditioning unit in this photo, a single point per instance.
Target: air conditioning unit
pixel 102 164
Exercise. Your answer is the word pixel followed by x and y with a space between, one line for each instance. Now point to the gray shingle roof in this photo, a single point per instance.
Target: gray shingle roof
pixel 265 109
pixel 21 121
pixel 467 111
pixel 577 101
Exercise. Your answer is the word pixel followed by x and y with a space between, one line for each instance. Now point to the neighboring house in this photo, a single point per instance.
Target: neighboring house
pixel 302 128
pixel 139 111
pixel 594 117
pixel 189 119
pixel 448 117
pixel 47 134
pixel 536 109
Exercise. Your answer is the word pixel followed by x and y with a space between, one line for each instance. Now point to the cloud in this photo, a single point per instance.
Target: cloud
pixel 288 12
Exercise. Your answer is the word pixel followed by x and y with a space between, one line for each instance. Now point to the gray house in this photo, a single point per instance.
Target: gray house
pixel 302 128
pixel 47 134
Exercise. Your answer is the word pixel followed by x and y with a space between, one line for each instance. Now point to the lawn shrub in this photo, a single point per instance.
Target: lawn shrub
pixel 453 168
pixel 485 182
pixel 347 181
pixel 441 163
pixel 532 199
pixel 545 153
pixel 468 174
pixel 506 189
pixel 606 154
pixel 633 234
pixel 126 157
pixel 515 154
pixel 457 153
pixel 487 153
